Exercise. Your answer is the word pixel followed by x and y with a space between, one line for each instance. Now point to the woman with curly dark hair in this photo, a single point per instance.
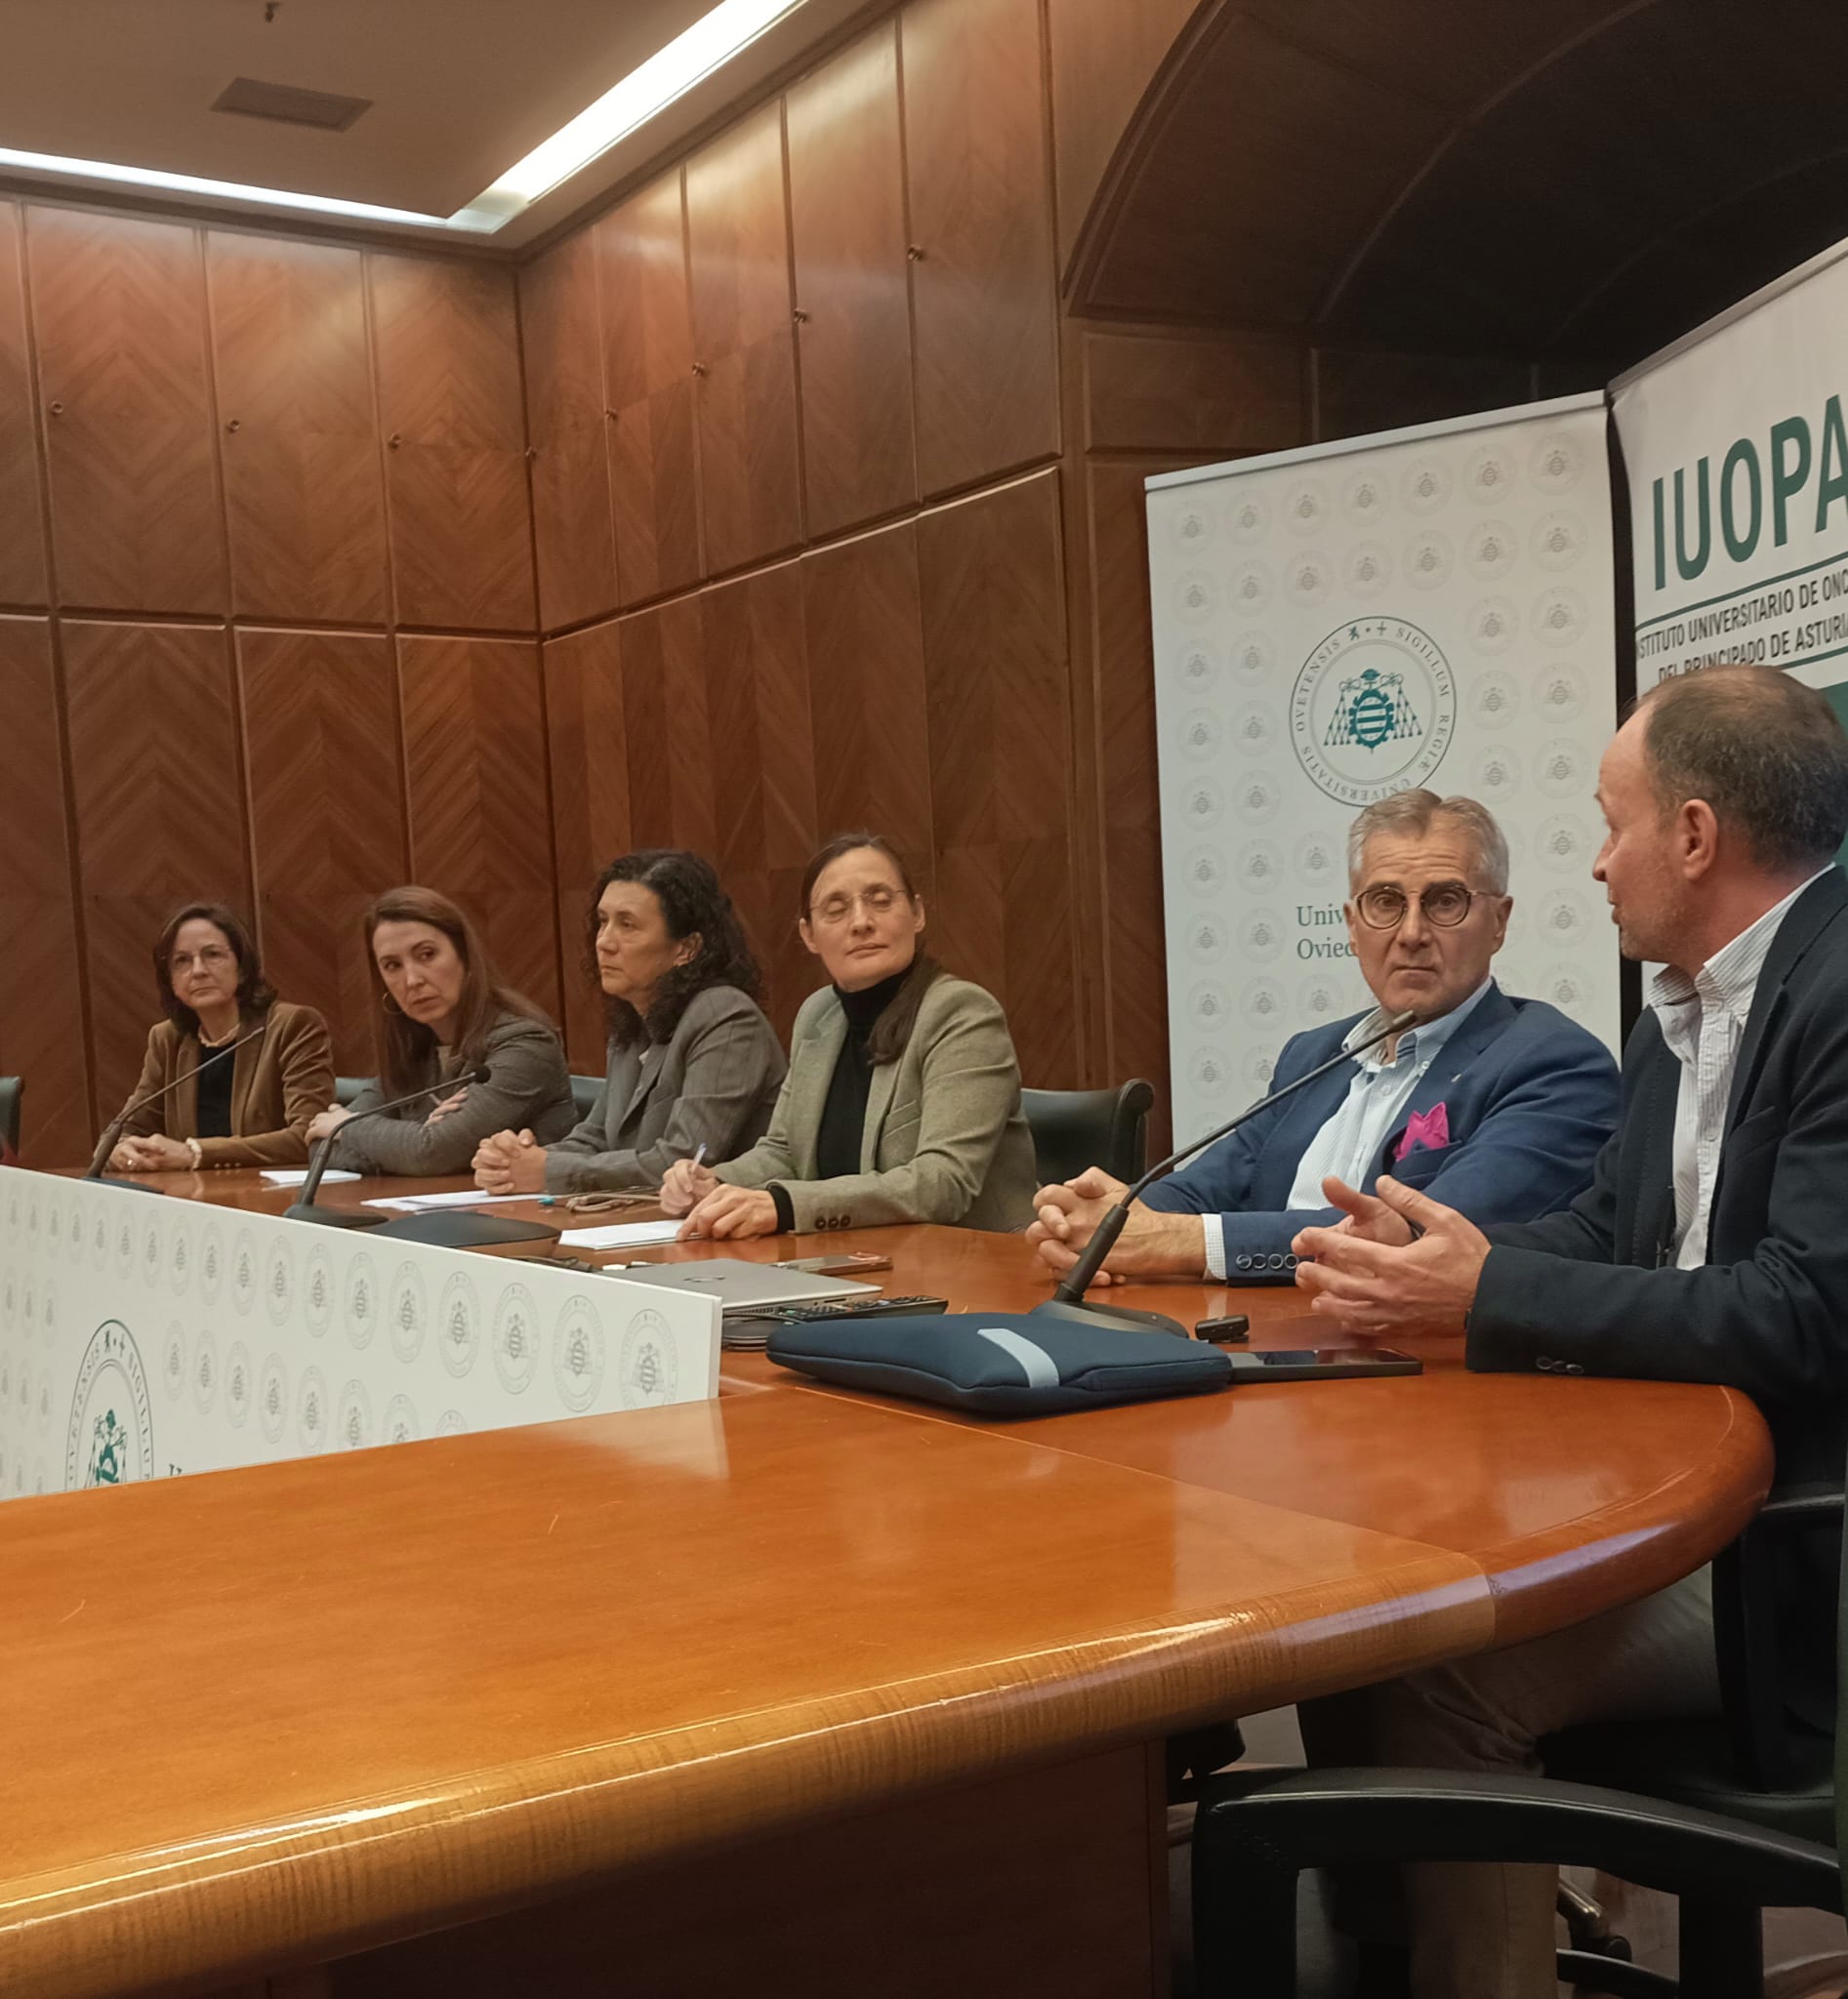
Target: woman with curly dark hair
pixel 693 1064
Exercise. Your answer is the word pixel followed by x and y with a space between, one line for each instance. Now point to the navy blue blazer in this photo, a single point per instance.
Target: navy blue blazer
pixel 1529 1099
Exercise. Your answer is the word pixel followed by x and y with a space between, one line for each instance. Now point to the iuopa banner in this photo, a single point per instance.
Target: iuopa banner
pixel 1425 608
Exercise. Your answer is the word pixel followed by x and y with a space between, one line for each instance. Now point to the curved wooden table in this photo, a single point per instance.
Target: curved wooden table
pixel 273 1718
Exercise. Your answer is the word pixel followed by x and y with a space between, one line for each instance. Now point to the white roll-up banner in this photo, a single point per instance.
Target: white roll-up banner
pixel 1430 607
pixel 1735 450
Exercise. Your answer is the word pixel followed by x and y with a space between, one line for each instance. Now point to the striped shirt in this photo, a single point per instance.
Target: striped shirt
pixel 1703 1019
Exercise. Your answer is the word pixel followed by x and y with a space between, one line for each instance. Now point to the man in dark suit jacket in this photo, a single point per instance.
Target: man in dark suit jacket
pixel 1497 1106
pixel 1710 1245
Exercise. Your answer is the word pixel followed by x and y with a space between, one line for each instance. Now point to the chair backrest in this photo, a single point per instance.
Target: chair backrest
pixel 585 1091
pixel 347 1090
pixel 11 1089
pixel 1076 1129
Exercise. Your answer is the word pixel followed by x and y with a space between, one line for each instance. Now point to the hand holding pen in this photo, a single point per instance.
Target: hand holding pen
pixel 687 1184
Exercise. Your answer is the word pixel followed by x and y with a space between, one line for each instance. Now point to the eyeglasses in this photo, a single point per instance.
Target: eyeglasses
pixel 209 960
pixel 839 908
pixel 1445 904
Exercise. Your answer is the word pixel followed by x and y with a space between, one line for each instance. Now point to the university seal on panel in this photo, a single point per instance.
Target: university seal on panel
pixel 1373 709
pixel 111 1440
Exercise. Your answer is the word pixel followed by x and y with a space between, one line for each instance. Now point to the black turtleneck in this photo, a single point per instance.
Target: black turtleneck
pixel 844 1110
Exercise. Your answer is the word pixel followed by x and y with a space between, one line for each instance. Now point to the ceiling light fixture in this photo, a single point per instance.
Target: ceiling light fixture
pixel 671 72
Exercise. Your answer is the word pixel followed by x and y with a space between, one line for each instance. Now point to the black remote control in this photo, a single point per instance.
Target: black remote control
pixel 854 1308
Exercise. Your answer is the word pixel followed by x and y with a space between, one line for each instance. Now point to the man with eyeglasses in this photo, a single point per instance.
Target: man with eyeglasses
pixel 1495 1106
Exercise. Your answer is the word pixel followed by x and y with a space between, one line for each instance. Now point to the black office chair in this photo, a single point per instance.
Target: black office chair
pixel 347 1090
pixel 1076 1129
pixel 585 1091
pixel 11 1091
pixel 1733 1817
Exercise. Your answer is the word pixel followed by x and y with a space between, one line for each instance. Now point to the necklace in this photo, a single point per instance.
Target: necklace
pixel 222 1040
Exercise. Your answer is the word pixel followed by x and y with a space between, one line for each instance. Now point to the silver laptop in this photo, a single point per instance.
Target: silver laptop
pixel 744 1288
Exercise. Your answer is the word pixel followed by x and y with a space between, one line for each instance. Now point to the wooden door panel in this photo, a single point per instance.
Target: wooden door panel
pixel 449 399
pixel 118 305
pixel 561 341
pixel 983 287
pixel 743 344
pixel 589 807
pixel 22 545
pixel 327 816
pixel 41 1010
pixel 847 216
pixel 648 391
pixel 159 804
pixel 664 723
pixel 475 757
pixel 993 594
pixel 304 494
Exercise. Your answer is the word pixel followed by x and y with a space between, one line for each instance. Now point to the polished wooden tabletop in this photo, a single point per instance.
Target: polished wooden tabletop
pixel 266 1717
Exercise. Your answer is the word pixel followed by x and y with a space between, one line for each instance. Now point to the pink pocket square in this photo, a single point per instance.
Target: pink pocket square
pixel 1429 1129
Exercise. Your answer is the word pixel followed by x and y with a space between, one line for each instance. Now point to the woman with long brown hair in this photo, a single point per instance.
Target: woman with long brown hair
pixel 902 1101
pixel 250 1109
pixel 442 1012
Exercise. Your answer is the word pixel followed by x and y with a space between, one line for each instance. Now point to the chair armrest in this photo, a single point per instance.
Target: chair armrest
pixel 1330 1817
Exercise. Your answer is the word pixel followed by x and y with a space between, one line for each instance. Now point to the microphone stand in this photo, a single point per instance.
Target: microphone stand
pixel 306 1210
pixel 106 1145
pixel 1068 1300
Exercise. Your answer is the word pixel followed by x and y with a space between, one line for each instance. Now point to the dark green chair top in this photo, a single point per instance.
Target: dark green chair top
pixel 11 1089
pixel 1076 1129
pixel 585 1091
pixel 347 1090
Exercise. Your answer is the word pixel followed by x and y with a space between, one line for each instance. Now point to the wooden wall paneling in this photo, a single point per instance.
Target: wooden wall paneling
pixel 664 724
pixel 866 687
pixel 846 181
pixel 992 590
pixel 1356 394
pixel 763 765
pixel 743 344
pixel 589 749
pixel 41 1009
pixel 327 816
pixel 22 545
pixel 298 436
pixel 447 340
pixel 648 391
pixel 1150 391
pixel 118 306
pixel 561 347
pixel 159 802
pixel 983 286
pixel 474 758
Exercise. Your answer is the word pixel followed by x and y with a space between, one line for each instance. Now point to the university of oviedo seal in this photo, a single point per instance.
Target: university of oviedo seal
pixel 112 1435
pixel 1373 709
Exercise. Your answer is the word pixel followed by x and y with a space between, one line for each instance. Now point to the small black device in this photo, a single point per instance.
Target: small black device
pixel 1319 1363
pixel 1235 1325
pixel 855 1308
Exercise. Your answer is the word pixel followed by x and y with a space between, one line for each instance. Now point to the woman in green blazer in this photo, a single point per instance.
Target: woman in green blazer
pixel 902 1101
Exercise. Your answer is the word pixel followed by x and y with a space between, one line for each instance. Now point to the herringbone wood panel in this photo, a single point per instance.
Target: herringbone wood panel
pixel 847 220
pixel 304 494
pixel 744 341
pixel 160 811
pixel 648 389
pixel 21 543
pixel 474 752
pixel 993 594
pixel 449 393
pixel 118 305
pixel 562 345
pixel 41 1020
pixel 327 815
pixel 984 294
pixel 587 744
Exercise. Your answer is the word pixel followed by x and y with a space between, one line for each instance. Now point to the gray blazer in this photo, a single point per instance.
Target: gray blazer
pixel 712 1084
pixel 527 1086
pixel 944 1138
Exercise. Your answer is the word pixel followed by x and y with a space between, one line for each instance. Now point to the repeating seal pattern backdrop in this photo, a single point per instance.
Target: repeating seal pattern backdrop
pixel 140 1339
pixel 1423 609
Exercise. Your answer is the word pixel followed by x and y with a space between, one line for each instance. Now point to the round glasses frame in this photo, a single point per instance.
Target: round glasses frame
pixel 1445 904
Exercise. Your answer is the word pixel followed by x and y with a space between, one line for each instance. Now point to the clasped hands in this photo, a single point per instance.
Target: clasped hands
pixel 1396 1264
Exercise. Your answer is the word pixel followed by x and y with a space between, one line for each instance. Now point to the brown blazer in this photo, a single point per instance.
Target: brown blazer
pixel 279 1085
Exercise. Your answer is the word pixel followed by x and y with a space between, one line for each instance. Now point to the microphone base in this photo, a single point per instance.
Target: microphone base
pixel 114 1180
pixel 1114 1318
pixel 451 1228
pixel 333 1217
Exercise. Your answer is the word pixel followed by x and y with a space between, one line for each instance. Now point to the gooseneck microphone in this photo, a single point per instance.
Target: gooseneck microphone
pixel 306 1210
pixel 106 1144
pixel 1068 1300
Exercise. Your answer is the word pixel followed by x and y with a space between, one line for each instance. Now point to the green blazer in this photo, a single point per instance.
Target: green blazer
pixel 944 1138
